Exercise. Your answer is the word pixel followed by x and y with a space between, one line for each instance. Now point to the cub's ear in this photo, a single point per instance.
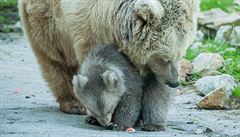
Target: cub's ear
pixel 147 9
pixel 110 78
pixel 79 81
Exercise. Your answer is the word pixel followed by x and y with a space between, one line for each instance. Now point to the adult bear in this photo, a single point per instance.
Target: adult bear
pixel 154 35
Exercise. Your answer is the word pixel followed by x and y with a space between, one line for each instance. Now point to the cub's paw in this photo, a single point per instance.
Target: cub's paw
pixel 72 107
pixel 151 128
pixel 116 127
pixel 92 121
pixel 112 126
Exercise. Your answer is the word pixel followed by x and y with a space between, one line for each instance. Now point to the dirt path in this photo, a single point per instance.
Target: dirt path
pixel 27 108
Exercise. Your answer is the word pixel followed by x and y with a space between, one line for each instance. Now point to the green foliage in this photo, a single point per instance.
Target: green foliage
pixel 208 46
pixel 8 11
pixel 236 92
pixel 225 5
pixel 7 3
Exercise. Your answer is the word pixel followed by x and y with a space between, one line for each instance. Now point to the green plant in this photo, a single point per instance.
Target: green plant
pixel 8 12
pixel 7 3
pixel 236 92
pixel 222 4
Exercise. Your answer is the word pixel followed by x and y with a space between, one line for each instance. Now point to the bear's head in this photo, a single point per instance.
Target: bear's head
pixel 159 34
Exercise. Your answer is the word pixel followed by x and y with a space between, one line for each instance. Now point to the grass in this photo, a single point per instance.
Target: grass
pixel 225 5
pixel 231 67
pixel 236 92
pixel 8 3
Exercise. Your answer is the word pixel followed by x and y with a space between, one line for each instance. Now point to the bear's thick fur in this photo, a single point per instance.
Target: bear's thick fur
pixel 61 32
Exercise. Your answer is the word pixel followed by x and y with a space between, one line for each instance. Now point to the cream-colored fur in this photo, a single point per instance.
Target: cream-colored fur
pixel 61 32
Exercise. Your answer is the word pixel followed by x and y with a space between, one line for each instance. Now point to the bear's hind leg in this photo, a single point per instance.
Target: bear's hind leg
pixel 52 49
pixel 59 78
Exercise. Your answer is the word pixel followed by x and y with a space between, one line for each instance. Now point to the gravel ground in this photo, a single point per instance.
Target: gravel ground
pixel 27 107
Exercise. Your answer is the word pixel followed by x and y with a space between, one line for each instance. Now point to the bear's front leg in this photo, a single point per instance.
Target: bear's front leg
pixel 156 103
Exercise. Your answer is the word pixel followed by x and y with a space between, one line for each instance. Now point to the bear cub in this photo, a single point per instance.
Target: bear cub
pixel 110 88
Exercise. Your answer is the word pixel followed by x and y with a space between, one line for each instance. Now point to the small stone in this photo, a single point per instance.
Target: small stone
pixel 185 68
pixel 130 130
pixel 208 130
pixel 207 61
pixel 195 119
pixel 190 122
pixel 217 99
pixel 199 131
pixel 29 96
pixel 18 90
pixel 209 83
pixel 231 49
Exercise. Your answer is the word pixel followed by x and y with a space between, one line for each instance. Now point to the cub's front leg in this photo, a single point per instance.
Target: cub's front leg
pixel 156 102
pixel 92 121
pixel 128 110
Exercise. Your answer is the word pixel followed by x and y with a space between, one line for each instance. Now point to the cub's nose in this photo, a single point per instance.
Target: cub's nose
pixel 173 84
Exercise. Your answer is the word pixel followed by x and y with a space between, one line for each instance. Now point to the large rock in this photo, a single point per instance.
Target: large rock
pixel 216 18
pixel 209 83
pixel 228 34
pixel 210 73
pixel 217 99
pixel 207 61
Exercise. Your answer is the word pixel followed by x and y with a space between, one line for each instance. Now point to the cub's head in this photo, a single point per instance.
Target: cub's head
pixel 160 32
pixel 100 93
